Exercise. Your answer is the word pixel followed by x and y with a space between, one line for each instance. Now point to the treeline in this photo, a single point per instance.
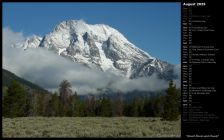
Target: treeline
pixel 19 103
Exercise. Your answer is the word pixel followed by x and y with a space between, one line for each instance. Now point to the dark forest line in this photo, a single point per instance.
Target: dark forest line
pixel 18 102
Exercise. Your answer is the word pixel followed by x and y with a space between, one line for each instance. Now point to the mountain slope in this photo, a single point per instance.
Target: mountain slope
pixel 100 46
pixel 8 77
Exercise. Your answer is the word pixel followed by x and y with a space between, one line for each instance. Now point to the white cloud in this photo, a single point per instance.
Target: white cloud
pixel 47 69
pixel 177 71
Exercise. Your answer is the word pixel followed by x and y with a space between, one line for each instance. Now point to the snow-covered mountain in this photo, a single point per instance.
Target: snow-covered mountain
pixel 100 46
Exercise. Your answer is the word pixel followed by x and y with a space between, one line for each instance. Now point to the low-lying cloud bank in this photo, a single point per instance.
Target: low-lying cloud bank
pixel 47 69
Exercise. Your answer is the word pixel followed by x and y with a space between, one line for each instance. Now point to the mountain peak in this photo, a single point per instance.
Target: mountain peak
pixel 30 42
pixel 73 25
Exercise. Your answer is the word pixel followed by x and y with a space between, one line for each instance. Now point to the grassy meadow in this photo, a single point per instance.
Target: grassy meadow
pixel 90 127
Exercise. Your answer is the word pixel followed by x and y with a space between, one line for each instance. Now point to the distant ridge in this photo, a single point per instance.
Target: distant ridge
pixel 8 77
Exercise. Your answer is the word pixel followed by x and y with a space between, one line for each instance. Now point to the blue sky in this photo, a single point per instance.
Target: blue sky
pixel 153 27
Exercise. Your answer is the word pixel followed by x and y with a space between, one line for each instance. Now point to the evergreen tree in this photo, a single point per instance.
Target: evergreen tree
pixel 35 104
pixel 141 107
pixel 54 105
pixel 148 107
pixel 105 109
pixel 74 106
pixel 179 100
pixel 15 101
pixel 90 104
pixel 135 107
pixel 158 106
pixel 82 109
pixel 46 105
pixel 65 91
pixel 117 105
pixel 171 107
pixel 40 104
